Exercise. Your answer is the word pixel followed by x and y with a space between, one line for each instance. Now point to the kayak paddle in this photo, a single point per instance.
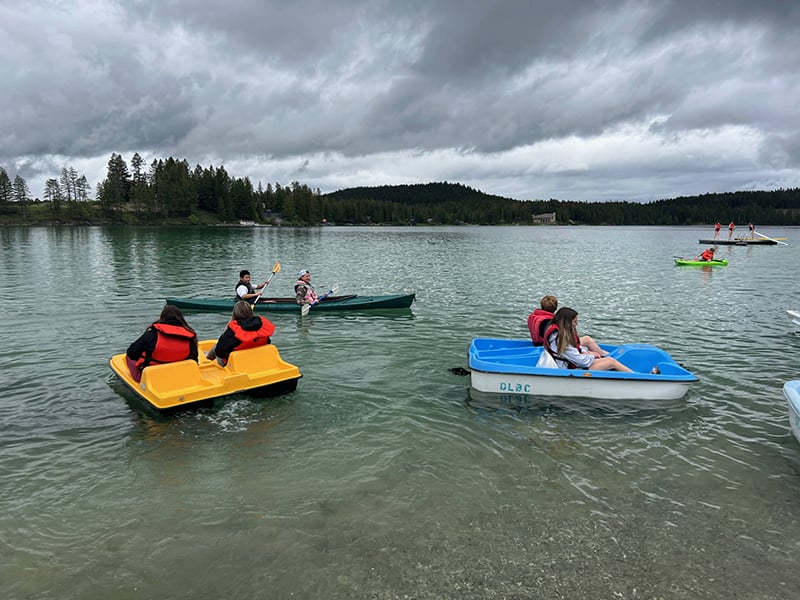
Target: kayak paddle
pixel 307 307
pixel 761 235
pixel 275 268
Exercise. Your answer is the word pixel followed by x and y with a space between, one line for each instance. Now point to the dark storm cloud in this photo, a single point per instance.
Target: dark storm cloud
pixel 531 99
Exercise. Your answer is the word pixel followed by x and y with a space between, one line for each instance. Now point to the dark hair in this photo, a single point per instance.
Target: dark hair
pixel 243 272
pixel 566 331
pixel 172 315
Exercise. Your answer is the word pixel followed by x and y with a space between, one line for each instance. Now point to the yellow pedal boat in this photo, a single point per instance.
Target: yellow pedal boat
pixel 177 385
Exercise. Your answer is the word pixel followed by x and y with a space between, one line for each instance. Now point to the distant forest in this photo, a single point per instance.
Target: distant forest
pixel 454 203
pixel 171 191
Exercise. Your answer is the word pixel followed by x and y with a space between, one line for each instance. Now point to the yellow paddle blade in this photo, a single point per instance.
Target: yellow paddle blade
pixel 276 268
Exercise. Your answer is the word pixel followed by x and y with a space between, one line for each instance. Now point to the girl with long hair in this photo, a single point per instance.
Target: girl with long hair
pixel 563 343
pixel 169 339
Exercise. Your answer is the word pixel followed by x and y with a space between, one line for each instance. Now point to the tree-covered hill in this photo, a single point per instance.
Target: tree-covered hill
pixel 441 203
pixel 171 191
pixel 450 203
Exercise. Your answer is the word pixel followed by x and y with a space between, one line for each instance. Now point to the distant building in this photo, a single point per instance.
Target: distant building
pixel 545 218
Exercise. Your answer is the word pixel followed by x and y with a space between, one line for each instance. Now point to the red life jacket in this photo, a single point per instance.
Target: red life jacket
pixel 173 343
pixel 251 339
pixel 577 343
pixel 707 255
pixel 537 323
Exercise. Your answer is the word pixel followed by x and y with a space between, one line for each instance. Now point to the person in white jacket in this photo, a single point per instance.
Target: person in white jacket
pixel 563 343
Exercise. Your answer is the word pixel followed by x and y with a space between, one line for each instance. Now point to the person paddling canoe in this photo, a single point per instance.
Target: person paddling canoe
pixel 303 290
pixel 245 290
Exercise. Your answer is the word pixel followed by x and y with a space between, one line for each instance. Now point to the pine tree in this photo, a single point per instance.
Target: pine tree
pixel 21 192
pixel 6 189
pixel 113 191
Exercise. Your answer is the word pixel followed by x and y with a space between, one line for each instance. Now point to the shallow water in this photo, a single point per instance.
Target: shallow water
pixel 382 476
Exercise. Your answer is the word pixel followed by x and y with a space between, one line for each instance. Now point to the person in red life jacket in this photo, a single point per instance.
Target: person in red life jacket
pixel 245 290
pixel 717 227
pixel 731 228
pixel 170 339
pixel 563 343
pixel 539 320
pixel 706 255
pixel 303 290
pixel 244 330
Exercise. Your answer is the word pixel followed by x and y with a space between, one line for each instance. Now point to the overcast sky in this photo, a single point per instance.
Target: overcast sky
pixel 574 100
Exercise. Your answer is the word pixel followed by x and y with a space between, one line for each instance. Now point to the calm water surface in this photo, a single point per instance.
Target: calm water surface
pixel 381 476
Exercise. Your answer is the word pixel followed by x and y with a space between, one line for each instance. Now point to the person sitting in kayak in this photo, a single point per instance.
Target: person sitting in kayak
pixel 564 345
pixel 245 289
pixel 170 339
pixel 539 320
pixel 244 330
pixel 706 255
pixel 303 290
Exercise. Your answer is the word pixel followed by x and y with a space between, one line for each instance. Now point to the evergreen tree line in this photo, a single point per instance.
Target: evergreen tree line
pixel 63 195
pixel 447 203
pixel 13 191
pixel 171 189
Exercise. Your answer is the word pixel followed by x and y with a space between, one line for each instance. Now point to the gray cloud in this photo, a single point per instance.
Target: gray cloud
pixel 575 100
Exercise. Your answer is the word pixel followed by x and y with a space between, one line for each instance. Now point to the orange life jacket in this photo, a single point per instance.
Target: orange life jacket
pixel 173 343
pixel 251 339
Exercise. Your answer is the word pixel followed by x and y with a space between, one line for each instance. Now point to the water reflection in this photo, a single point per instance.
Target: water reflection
pixel 382 466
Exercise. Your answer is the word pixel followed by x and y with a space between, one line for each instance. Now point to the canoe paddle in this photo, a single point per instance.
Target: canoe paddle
pixel 307 307
pixel 275 268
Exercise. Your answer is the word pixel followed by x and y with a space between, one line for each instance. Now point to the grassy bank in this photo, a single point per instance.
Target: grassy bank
pixel 89 213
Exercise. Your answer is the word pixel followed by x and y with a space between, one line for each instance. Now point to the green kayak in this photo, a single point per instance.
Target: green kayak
pixel 690 262
pixel 351 302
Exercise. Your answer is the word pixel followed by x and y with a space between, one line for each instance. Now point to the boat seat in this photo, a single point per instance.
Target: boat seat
pixel 254 361
pixel 172 378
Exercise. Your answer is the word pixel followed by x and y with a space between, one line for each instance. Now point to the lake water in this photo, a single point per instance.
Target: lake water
pixel 380 476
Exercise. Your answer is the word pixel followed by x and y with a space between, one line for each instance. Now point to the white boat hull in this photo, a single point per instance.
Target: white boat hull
pixel 791 389
pixel 581 385
pixel 510 367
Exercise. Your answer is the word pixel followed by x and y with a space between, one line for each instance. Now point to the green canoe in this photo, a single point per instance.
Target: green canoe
pixel 351 302
pixel 688 262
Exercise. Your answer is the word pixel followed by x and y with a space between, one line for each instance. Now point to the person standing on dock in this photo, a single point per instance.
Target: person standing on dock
pixel 752 230
pixel 717 227
pixel 731 228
